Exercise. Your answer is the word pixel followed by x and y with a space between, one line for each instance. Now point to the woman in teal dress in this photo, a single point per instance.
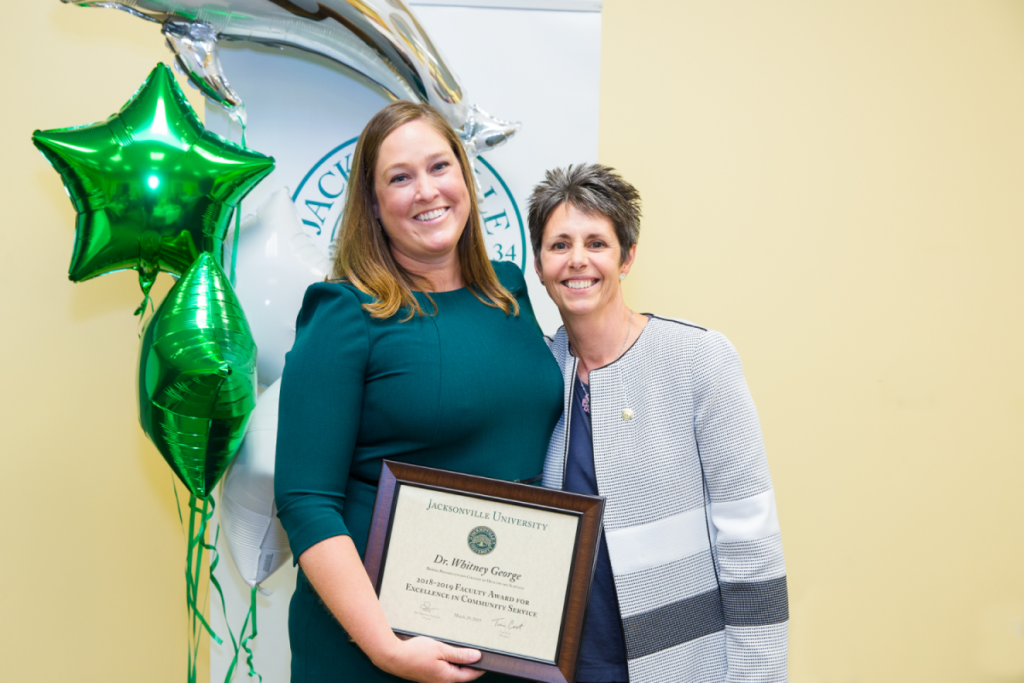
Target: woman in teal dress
pixel 419 351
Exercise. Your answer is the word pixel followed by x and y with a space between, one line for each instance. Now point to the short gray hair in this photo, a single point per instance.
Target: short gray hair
pixel 591 189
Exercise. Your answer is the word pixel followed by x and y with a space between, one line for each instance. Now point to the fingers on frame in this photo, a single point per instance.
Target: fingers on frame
pixel 463 674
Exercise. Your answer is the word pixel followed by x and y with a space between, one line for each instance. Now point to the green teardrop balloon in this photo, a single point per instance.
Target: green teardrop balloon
pixel 197 376
pixel 152 187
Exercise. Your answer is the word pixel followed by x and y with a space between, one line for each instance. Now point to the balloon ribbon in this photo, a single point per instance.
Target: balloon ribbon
pixel 244 644
pixel 238 225
pixel 197 544
pixel 193 570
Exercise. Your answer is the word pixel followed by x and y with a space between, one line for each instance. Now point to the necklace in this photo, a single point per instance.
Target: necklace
pixel 586 387
pixel 629 328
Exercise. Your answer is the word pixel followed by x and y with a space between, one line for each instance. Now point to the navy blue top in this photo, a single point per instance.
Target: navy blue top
pixel 603 651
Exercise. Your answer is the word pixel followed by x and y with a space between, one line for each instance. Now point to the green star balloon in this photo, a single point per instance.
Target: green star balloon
pixel 197 376
pixel 152 187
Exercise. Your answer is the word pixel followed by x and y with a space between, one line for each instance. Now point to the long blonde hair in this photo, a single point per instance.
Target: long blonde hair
pixel 362 254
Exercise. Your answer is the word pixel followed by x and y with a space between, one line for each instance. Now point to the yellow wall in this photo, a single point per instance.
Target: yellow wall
pixel 92 569
pixel 837 186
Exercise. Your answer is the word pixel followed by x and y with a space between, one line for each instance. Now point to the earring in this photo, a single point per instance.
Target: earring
pixel 622 276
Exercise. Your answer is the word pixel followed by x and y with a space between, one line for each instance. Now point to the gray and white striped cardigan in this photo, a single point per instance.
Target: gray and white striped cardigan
pixel 690 518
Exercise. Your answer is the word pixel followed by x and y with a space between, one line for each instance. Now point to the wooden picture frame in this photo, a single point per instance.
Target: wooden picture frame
pixel 588 509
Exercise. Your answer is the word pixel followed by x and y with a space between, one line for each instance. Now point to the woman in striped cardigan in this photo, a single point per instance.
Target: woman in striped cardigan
pixel 690 582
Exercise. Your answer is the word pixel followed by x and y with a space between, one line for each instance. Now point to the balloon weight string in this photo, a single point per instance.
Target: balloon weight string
pixel 236 645
pixel 197 545
pixel 141 313
pixel 251 615
pixel 193 571
pixel 147 276
pixel 214 561
pixel 197 622
pixel 188 597
pixel 245 641
pixel 146 299
pixel 198 542
pixel 177 502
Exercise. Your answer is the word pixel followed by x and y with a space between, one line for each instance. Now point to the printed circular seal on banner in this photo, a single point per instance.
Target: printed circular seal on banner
pixel 320 198
pixel 482 540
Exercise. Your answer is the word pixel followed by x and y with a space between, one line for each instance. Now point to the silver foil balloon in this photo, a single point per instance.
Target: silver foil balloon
pixel 379 42
pixel 277 261
pixel 248 516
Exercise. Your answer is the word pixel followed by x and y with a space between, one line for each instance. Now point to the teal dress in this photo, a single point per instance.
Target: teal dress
pixel 469 389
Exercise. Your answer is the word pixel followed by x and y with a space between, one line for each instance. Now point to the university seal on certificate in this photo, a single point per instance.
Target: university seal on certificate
pixel 501 567
pixel 482 540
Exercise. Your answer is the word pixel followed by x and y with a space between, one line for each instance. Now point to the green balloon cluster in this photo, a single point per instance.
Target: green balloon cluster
pixel 152 187
pixel 197 376
pixel 154 190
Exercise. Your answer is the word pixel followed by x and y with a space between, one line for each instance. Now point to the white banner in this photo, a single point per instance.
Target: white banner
pixel 539 67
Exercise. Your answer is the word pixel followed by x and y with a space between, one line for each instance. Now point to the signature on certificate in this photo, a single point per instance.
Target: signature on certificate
pixel 509 624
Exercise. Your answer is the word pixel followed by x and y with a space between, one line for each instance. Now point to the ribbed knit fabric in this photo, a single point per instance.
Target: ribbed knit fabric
pixel 690 520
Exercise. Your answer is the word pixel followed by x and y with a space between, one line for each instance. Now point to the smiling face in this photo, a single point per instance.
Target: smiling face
pixel 580 262
pixel 422 199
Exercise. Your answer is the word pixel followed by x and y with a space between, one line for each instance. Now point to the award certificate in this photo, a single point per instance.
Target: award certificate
pixel 497 566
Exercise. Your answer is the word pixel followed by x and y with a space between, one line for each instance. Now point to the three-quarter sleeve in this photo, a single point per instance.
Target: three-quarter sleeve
pixel 747 541
pixel 319 415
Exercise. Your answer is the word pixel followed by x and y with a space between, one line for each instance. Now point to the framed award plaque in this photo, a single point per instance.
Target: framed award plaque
pixel 500 567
